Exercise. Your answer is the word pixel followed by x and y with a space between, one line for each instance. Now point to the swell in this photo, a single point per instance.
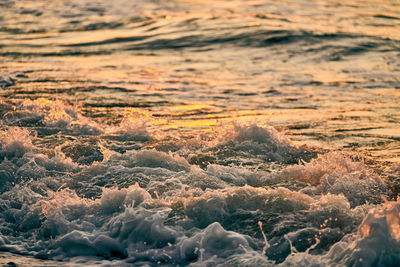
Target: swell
pixel 331 45
pixel 248 38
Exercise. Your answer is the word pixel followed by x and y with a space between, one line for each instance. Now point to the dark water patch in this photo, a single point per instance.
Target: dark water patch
pixel 170 89
pixel 6 3
pixel 110 41
pixel 186 69
pixel 305 107
pixel 146 20
pixel 315 83
pixel 96 9
pixel 144 104
pixel 205 49
pixel 75 22
pixel 31 45
pixel 153 28
pixel 6 81
pixel 382 16
pixel 247 94
pixel 385 84
pixel 357 129
pixel 101 87
pixel 220 97
pixel 125 82
pixel 358 49
pixel 299 126
pixel 272 92
pixel 14 30
pixel 15 54
pixel 357 46
pixel 151 95
pixel 49 80
pixel 264 16
pixel 380 137
pixel 92 26
pixel 72 90
pixel 245 39
pixel 31 12
pixel 10 79
pixel 380 25
pixel 19 91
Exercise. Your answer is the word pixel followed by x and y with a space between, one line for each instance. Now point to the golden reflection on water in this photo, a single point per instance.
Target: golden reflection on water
pixel 195 88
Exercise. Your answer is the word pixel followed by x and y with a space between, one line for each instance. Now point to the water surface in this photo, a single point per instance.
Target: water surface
pixel 201 133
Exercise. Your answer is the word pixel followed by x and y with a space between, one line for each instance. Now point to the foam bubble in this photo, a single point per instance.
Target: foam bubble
pixel 134 126
pixel 217 205
pixel 155 159
pixel 56 115
pixel 214 244
pixel 337 174
pixel 260 141
pixel 377 242
pixel 15 142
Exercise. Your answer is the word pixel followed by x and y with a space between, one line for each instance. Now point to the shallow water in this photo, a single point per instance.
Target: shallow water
pixel 232 133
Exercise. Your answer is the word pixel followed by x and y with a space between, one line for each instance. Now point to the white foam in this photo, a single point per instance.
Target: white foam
pixel 337 174
pixel 134 126
pixel 148 207
pixel 377 243
pixel 54 114
pixel 15 142
pixel 262 141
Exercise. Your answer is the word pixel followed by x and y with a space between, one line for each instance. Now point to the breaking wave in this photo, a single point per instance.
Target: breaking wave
pixel 90 202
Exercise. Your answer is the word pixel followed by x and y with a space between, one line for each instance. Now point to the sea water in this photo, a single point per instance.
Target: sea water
pixel 199 133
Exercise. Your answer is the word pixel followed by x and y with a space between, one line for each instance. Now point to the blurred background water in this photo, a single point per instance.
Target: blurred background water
pixel 326 70
pixel 86 79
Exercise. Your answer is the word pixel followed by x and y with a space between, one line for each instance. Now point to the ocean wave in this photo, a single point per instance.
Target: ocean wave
pixel 151 207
